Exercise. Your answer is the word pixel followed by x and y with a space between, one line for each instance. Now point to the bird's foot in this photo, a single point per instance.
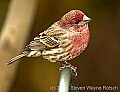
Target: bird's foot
pixel 73 68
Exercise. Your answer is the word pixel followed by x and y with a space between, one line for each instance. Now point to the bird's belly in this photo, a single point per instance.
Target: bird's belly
pixel 79 44
pixel 69 48
pixel 56 54
pixel 59 53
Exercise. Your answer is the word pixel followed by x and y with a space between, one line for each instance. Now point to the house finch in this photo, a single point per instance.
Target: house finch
pixel 62 41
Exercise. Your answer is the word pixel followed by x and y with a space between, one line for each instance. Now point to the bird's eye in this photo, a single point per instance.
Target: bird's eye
pixel 77 22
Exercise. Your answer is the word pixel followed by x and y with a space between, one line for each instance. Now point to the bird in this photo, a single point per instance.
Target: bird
pixel 62 41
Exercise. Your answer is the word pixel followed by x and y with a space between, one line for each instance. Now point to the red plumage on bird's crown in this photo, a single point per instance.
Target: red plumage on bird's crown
pixel 72 17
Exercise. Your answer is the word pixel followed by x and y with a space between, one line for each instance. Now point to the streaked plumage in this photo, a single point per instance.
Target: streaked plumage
pixel 62 41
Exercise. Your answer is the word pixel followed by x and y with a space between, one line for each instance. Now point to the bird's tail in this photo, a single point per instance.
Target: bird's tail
pixel 16 58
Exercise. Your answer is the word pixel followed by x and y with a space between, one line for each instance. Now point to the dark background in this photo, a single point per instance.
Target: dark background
pixel 98 65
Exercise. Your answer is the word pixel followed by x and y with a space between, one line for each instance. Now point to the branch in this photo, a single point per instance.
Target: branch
pixel 16 28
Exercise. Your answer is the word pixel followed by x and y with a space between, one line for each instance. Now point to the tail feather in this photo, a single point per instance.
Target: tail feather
pixel 16 58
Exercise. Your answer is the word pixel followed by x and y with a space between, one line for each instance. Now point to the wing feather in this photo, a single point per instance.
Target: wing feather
pixel 50 38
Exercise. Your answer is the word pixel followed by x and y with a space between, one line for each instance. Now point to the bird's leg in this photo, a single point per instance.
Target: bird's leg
pixel 66 64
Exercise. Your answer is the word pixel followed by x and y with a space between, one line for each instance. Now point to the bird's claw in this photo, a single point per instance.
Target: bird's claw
pixel 73 68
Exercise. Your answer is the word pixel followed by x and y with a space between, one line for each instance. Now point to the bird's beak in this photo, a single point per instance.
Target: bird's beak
pixel 86 19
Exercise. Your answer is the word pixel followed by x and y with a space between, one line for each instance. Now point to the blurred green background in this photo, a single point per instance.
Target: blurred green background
pixel 98 65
